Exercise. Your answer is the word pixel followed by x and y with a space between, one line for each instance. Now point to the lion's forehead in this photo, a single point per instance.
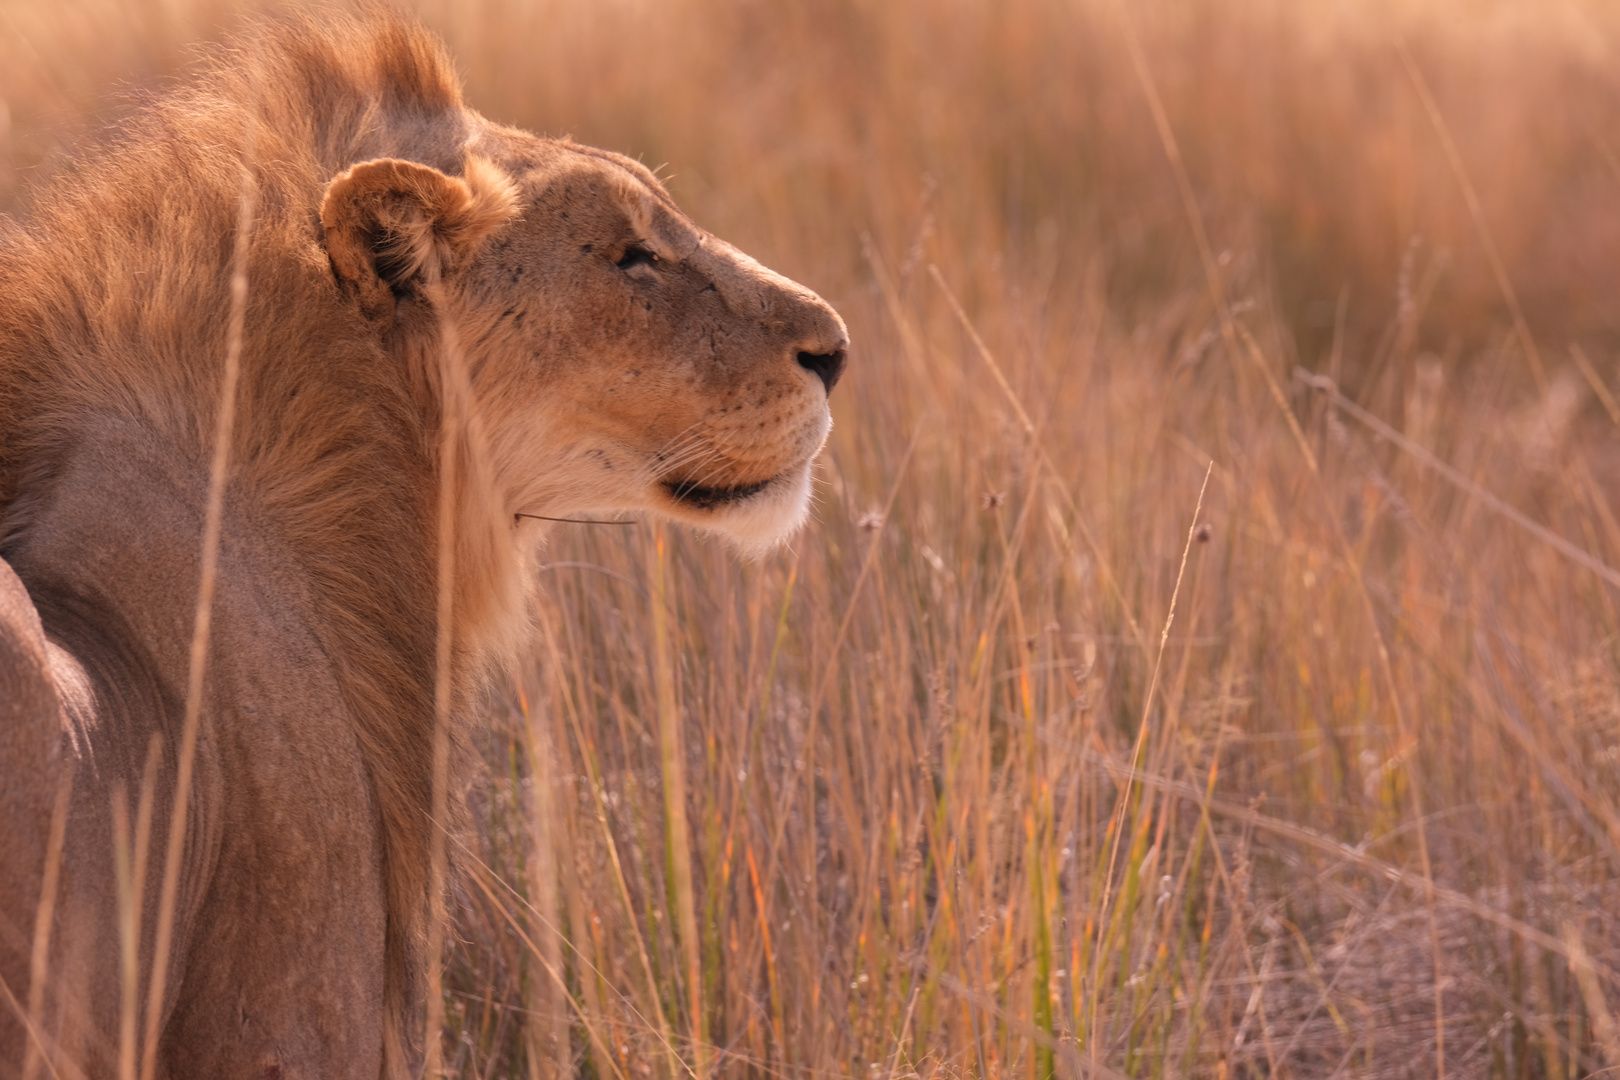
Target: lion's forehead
pixel 570 175
pixel 669 231
pixel 615 208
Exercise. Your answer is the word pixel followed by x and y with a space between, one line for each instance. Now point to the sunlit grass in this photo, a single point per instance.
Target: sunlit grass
pixel 959 796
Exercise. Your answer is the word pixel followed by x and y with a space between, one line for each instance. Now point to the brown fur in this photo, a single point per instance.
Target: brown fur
pixel 617 359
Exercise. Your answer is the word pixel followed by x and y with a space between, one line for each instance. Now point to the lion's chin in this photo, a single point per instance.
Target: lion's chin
pixel 754 519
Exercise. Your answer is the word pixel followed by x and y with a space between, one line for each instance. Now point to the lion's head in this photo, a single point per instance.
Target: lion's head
pixel 620 358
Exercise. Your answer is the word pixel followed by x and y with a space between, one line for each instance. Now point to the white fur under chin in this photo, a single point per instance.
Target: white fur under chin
pixel 759 525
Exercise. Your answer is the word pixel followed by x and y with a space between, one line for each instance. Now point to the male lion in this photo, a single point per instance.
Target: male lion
pixel 614 358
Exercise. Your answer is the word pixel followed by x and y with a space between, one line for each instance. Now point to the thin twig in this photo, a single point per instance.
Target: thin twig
pixel 1189 200
pixel 1429 460
pixel 1039 448
pixel 1311 838
pixel 454 393
pixel 598 802
pixel 36 1037
pixel 1477 212
pixel 1117 825
pixel 573 521
pixel 677 845
pixel 43 916
pixel 831 668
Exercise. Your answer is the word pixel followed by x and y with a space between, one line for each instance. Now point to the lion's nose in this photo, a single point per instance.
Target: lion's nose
pixel 825 366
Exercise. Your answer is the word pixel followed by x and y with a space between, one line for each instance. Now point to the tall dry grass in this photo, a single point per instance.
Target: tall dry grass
pixel 959 795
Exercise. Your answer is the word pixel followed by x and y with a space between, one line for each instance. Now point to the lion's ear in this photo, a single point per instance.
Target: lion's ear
pixel 393 226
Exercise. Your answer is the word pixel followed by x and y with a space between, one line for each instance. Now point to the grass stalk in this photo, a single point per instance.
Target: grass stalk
pixel 39 956
pixel 677 837
pixel 202 625
pixel 452 434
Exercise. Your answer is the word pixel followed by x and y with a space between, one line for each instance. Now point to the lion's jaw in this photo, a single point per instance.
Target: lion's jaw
pixel 652 368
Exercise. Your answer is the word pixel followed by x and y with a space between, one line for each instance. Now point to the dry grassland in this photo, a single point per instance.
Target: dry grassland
pixel 1135 704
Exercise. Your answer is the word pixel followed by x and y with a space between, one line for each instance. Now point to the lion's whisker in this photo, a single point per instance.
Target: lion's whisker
pixel 693 430
pixel 679 452
pixel 695 447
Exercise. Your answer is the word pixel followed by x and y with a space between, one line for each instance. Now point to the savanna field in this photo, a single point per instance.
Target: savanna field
pixel 1203 659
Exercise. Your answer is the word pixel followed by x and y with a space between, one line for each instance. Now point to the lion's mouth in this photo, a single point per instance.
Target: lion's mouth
pixel 703 497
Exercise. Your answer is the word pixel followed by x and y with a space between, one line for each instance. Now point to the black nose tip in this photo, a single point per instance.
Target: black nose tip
pixel 826 366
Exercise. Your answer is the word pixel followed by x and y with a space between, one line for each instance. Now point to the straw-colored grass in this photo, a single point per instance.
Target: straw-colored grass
pixel 942 788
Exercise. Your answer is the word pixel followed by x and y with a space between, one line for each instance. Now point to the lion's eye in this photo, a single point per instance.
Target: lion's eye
pixel 637 255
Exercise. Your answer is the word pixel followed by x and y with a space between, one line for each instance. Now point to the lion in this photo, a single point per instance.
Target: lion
pixel 408 266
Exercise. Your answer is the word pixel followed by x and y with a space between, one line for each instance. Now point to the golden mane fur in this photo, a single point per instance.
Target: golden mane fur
pixel 392 226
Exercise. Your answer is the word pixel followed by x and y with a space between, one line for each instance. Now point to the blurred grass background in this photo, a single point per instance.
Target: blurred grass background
pixel 961 797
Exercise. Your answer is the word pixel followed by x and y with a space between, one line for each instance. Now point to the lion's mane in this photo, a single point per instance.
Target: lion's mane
pixel 116 303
